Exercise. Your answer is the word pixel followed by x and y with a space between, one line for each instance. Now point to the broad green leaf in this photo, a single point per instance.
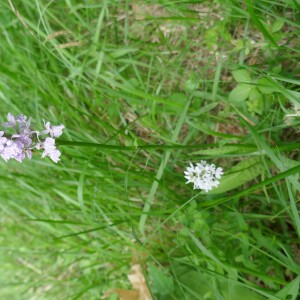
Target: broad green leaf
pixel 241 76
pixel 290 291
pixel 212 287
pixel 277 25
pixel 291 163
pixel 231 290
pixel 179 99
pixel 224 150
pixel 191 84
pixel 255 95
pixel 162 284
pixel 243 172
pixel 256 102
pixel 267 86
pixel 122 52
pixel 239 93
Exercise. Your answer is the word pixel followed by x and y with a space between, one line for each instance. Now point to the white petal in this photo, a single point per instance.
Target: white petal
pixel 57 130
pixel 54 155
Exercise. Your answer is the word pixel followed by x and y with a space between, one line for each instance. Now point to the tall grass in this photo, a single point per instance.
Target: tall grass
pixel 143 88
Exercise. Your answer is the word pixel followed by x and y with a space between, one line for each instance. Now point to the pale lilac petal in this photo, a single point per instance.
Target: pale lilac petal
pixel 57 130
pixel 21 118
pixel 54 155
pixel 53 131
pixel 11 121
pixel 47 128
pixel 3 140
pixel 49 144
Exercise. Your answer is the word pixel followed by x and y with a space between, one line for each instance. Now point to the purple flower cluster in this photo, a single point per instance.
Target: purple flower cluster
pixel 18 140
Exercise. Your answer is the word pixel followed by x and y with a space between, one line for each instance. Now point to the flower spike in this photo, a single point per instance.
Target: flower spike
pixel 24 140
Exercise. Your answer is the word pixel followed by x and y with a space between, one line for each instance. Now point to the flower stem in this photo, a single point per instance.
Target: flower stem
pixel 129 148
pixel 251 147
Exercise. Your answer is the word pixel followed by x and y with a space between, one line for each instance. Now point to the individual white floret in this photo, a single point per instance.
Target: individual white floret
pixel 219 173
pixel 50 149
pixel 54 131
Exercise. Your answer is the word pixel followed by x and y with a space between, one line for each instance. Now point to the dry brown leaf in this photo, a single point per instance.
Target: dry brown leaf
pixel 127 294
pixel 123 294
pixel 138 282
pixel 141 11
pixel 140 289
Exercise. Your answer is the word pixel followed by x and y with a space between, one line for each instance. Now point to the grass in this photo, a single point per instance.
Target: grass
pixel 143 88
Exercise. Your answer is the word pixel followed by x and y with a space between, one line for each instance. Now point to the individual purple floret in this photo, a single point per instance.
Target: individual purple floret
pixel 54 131
pixel 18 140
pixel 50 149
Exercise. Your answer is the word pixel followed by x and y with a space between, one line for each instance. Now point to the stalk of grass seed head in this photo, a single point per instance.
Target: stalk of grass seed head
pixel 23 140
pixel 18 140
pixel 252 147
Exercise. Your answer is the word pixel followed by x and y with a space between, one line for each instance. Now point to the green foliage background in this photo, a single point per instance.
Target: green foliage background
pixel 223 75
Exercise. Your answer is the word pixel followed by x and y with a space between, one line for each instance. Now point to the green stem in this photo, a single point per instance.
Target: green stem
pixel 284 147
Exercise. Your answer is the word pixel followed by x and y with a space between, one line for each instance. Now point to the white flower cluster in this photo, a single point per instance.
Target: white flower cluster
pixel 203 175
pixel 19 140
